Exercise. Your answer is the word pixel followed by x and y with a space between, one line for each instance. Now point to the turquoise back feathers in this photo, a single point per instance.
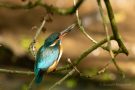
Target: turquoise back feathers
pixel 47 56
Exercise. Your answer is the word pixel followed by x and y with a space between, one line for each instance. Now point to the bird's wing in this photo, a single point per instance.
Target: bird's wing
pixel 46 57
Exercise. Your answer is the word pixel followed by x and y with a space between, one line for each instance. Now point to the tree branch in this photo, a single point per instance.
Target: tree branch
pixel 108 39
pixel 16 72
pixel 77 61
pixel 114 27
pixel 81 28
pixel 85 53
pixel 61 80
pixel 49 8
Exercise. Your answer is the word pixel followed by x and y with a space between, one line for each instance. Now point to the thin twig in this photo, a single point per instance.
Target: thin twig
pixel 118 68
pixel 31 83
pixel 103 68
pixel 41 27
pixel 64 78
pixel 32 44
pixel 101 71
pixel 73 65
pixel 104 23
pixel 81 26
pixel 16 72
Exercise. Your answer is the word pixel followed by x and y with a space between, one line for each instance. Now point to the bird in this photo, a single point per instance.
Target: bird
pixel 49 54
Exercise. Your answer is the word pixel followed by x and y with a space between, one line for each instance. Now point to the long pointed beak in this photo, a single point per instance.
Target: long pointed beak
pixel 67 30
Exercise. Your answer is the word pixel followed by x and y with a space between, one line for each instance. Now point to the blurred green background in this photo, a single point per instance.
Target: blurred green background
pixel 16 34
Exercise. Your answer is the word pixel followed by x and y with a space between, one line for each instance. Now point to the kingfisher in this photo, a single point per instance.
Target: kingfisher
pixel 49 54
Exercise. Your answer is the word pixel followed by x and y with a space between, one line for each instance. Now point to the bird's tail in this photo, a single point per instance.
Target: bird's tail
pixel 39 77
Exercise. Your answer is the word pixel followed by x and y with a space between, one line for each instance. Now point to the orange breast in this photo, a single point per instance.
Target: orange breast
pixel 53 66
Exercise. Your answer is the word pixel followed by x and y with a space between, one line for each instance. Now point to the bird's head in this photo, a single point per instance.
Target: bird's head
pixel 57 36
pixel 54 38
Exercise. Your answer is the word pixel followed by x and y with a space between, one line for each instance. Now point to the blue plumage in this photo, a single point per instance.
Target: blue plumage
pixel 49 54
pixel 39 76
pixel 46 56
